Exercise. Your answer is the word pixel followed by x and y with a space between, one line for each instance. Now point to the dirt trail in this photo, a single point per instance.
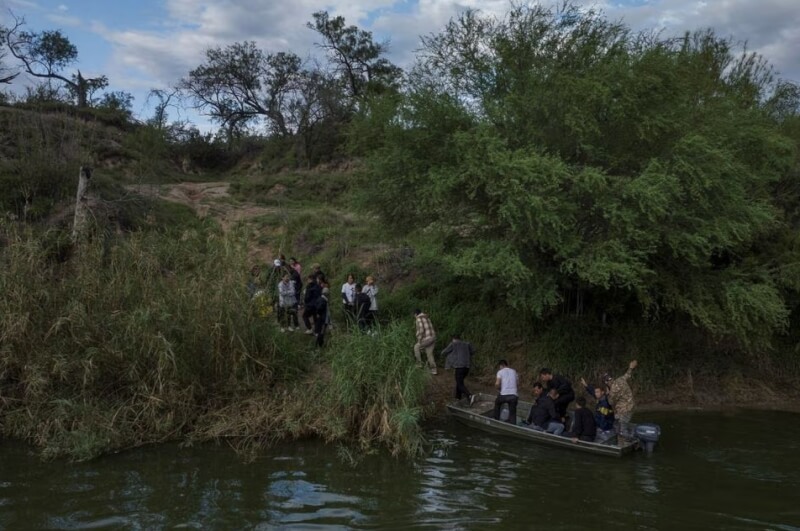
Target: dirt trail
pixel 212 199
pixel 206 199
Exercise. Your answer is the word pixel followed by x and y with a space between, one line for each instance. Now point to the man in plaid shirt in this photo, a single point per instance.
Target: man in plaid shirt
pixel 426 339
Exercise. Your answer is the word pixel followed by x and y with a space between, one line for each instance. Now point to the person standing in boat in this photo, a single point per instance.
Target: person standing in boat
pixel 564 387
pixel 506 383
pixel 458 355
pixel 603 412
pixel 621 396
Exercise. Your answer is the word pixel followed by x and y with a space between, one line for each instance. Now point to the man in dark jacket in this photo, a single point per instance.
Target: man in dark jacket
pixel 603 412
pixel 320 317
pixel 313 293
pixel 543 415
pixel 583 425
pixel 362 304
pixel 564 388
pixel 458 355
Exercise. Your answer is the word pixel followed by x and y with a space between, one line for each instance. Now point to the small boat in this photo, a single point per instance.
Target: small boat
pixel 481 415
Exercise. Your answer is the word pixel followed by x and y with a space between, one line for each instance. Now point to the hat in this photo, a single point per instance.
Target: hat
pixel 276 262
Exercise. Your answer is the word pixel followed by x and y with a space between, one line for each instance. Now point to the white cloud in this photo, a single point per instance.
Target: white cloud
pixel 192 26
pixel 64 20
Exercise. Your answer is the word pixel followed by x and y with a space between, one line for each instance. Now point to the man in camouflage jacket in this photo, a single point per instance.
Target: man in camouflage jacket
pixel 621 397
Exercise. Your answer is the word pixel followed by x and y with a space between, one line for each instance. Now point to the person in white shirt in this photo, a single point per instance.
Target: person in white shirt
pixel 372 291
pixel 506 384
pixel 349 298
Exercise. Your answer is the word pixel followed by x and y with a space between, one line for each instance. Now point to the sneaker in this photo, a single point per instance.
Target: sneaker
pixel 472 400
pixel 283 330
pixel 434 371
pixel 309 331
pixel 419 365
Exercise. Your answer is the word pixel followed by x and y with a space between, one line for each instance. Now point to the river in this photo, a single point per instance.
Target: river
pixel 736 470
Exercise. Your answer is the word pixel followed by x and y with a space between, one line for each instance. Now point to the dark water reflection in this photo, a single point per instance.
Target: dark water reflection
pixel 713 471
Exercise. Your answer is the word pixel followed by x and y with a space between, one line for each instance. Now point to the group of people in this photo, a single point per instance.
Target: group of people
pixel 287 296
pixel 552 394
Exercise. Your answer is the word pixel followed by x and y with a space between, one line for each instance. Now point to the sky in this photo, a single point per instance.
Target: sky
pixel 145 44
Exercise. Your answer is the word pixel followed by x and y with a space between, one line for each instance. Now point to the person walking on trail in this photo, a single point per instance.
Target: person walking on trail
pixel 321 319
pixel 621 397
pixel 362 304
pixel 313 293
pixel 458 355
pixel 254 283
pixel 287 304
pixel 296 265
pixel 426 339
pixel 317 273
pixel 349 298
pixel 506 383
pixel 297 280
pixel 371 289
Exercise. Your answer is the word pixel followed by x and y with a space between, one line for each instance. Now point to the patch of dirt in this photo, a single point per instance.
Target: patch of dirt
pixel 213 199
pixel 206 199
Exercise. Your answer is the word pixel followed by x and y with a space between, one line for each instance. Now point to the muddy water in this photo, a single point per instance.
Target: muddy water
pixel 713 471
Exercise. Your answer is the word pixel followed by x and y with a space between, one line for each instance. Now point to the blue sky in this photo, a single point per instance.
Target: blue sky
pixel 144 44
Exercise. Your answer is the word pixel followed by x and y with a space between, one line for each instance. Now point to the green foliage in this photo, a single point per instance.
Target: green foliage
pixel 129 340
pixel 40 159
pixel 376 388
pixel 359 60
pixel 554 150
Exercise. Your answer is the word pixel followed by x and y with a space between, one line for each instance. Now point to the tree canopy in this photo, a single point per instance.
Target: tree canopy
pixel 555 151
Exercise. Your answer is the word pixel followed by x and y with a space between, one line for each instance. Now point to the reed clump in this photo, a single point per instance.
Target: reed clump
pixel 127 341
pixel 364 390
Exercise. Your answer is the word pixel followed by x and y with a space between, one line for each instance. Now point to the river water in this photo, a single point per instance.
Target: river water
pixel 712 471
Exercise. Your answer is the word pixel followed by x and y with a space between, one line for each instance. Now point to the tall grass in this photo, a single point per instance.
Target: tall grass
pixel 127 341
pixel 365 391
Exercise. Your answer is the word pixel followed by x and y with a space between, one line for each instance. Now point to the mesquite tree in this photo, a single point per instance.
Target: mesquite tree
pixel 554 151
pixel 46 54
pixel 239 83
pixel 358 60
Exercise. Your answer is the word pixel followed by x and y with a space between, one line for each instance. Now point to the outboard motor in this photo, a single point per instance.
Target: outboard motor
pixel 648 435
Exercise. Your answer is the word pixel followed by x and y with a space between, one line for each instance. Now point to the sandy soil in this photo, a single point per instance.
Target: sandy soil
pixel 212 199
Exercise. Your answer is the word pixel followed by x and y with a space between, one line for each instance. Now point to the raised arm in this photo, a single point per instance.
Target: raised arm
pixel 632 365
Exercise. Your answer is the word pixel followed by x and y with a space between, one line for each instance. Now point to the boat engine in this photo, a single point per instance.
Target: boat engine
pixel 648 435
